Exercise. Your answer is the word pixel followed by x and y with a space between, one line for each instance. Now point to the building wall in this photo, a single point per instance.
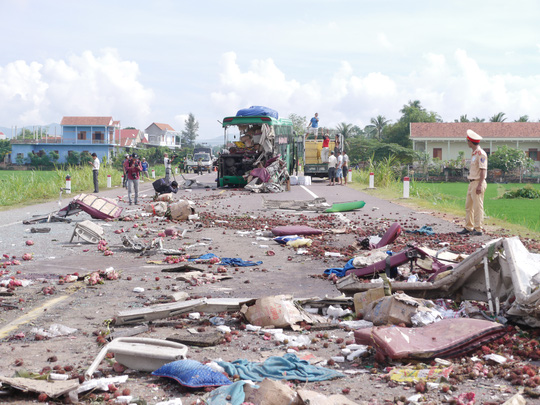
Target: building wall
pixel 63 149
pixel 71 134
pixel 450 148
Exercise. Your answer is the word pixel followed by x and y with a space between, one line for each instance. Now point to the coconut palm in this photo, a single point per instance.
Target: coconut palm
pixel 499 117
pixel 344 129
pixel 377 124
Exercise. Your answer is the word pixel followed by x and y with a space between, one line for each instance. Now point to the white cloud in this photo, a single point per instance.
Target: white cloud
pixel 180 121
pixel 450 85
pixel 85 84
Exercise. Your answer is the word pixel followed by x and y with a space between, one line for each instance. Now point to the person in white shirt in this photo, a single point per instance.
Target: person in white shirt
pixel 332 163
pixel 95 172
pixel 345 166
pixel 339 171
pixel 167 163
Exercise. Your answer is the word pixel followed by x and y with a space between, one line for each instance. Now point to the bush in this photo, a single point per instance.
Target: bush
pixel 524 192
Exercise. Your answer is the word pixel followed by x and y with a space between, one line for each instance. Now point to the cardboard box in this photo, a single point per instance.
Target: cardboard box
pixel 362 299
pixel 396 309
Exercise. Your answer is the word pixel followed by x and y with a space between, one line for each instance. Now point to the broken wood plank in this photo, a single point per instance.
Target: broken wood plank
pixel 53 389
pixel 134 331
pixel 161 311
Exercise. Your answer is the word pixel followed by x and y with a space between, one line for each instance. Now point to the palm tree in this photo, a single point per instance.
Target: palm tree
pixel 499 117
pixel 476 119
pixel 463 118
pixel 378 124
pixel 344 129
pixel 523 118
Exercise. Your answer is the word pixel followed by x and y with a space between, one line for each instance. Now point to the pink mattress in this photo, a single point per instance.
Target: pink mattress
pixel 447 338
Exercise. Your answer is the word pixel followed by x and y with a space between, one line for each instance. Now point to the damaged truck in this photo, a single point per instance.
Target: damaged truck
pixel 261 150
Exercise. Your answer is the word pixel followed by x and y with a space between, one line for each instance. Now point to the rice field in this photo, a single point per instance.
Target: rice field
pixel 22 187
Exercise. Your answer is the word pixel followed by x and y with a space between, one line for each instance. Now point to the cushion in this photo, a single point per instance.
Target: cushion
pixel 295 230
pixel 191 373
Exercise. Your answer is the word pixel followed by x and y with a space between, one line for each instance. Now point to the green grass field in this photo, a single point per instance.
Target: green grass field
pixel 26 186
pixel 451 196
pixel 23 187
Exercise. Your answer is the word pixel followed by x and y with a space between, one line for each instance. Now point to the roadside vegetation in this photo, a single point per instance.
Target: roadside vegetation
pixel 519 214
pixel 32 186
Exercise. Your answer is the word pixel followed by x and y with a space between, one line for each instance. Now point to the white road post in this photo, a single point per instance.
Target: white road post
pixel 406 187
pixel 371 180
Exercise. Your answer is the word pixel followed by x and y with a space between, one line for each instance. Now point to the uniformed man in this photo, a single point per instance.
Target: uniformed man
pixel 474 205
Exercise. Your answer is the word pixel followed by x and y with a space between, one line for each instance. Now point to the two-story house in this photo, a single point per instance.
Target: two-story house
pixel 79 134
pixel 163 135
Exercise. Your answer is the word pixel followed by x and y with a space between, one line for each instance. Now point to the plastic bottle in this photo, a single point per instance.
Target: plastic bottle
pixel 386 284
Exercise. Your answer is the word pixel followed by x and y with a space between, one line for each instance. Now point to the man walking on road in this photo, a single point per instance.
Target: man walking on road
pixel 95 172
pixel 474 205
pixel 332 163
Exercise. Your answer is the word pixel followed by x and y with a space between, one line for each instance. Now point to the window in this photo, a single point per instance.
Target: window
pixel 488 151
pixel 437 153
pixel 533 154
pixel 98 136
pixel 81 135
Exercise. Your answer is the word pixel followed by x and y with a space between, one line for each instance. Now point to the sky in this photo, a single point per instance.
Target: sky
pixel 349 60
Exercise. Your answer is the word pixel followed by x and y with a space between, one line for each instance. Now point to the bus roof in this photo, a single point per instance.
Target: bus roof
pixel 256 119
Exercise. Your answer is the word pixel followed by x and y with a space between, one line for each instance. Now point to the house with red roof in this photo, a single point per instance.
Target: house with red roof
pixel 444 140
pixel 163 135
pixel 79 134
pixel 129 138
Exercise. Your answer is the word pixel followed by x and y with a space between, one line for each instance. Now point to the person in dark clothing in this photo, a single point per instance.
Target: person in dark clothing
pixel 162 187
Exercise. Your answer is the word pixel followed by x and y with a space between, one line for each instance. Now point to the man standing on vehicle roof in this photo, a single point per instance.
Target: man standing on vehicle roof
pixel 313 126
pixel 474 205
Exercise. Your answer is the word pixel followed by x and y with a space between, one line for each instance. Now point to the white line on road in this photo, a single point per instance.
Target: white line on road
pixel 310 192
pixel 13 223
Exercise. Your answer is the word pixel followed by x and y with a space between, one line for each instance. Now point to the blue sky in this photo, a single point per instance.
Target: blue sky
pixel 348 60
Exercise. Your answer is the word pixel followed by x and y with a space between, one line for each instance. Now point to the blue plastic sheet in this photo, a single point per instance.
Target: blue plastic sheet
pixel 340 272
pixel 227 261
pixel 256 110
pixel 288 367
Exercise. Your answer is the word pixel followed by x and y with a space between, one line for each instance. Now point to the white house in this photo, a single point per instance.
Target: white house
pixel 444 141
pixel 163 135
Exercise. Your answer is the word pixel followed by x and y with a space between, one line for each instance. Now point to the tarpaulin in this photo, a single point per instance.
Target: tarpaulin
pixel 256 110
pixel 226 261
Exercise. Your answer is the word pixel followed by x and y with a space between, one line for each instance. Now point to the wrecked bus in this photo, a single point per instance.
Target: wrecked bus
pixel 252 144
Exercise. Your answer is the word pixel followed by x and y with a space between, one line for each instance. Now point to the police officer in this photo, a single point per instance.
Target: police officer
pixel 474 205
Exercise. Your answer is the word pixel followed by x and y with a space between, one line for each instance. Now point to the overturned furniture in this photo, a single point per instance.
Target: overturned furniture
pixel 88 231
pixel 96 207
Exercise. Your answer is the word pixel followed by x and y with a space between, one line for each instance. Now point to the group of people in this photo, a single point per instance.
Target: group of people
pixel 338 168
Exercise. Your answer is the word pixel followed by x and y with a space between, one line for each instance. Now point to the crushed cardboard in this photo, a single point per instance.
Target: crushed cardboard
pixel 52 389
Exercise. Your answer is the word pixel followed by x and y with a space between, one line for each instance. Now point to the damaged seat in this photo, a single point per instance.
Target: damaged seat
pixel 88 231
